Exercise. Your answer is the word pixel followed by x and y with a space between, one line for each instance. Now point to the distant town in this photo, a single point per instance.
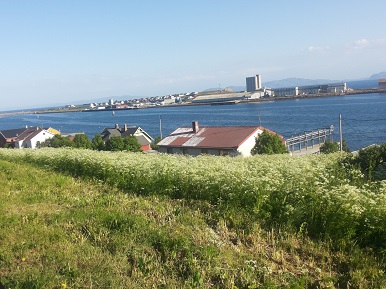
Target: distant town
pixel 254 92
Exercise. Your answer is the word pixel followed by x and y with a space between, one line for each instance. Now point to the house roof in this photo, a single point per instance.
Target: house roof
pixel 108 133
pixel 136 131
pixel 14 133
pixel 210 137
pixel 29 133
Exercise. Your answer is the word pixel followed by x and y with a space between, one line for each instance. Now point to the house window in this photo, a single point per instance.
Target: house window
pixel 169 150
pixel 184 151
pixel 223 152
pixel 204 151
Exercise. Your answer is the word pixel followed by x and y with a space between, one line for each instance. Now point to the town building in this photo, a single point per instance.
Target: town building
pixel 334 88
pixel 211 140
pixel 288 91
pixel 382 83
pixel 253 83
pixel 143 137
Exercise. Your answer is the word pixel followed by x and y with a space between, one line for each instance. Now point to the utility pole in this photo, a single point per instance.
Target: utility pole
pixel 160 126
pixel 340 133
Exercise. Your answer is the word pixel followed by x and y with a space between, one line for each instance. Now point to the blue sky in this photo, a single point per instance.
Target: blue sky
pixel 65 51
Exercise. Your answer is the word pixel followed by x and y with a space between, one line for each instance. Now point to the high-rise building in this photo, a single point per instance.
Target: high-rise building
pixel 253 83
pixel 382 83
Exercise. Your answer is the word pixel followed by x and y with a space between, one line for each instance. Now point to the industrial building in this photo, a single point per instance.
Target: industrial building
pixel 253 83
pixel 311 89
pixel 382 83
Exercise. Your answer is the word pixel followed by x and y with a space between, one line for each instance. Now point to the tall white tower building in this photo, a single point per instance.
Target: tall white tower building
pixel 253 83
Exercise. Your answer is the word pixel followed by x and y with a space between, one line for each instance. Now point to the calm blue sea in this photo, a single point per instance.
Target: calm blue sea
pixel 364 118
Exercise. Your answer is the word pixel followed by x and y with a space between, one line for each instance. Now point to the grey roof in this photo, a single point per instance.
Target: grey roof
pixel 13 133
pixel 136 131
pixel 108 133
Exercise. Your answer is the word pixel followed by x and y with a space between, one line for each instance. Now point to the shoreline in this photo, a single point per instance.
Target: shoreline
pixel 82 109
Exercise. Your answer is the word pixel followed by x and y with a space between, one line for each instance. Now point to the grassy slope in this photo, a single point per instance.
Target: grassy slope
pixel 57 231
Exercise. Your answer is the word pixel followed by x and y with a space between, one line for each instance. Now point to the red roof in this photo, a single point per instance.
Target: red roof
pixel 210 137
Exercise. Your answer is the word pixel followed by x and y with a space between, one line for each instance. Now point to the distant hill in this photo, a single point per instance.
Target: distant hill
pixel 292 82
pixel 370 82
pixel 362 84
pixel 235 88
pixel 378 75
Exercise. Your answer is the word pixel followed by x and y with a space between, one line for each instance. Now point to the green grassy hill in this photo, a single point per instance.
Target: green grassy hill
pixel 87 219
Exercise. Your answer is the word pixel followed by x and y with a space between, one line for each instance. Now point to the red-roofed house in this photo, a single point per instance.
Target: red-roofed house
pixel 212 140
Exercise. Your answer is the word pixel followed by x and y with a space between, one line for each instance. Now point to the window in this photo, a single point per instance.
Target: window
pixel 223 152
pixel 169 150
pixel 184 151
pixel 204 151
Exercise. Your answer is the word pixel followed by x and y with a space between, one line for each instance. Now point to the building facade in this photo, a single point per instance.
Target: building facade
pixel 211 140
pixel 382 83
pixel 253 83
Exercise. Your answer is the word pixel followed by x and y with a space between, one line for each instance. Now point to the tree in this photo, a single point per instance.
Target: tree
pixel 154 145
pixel 269 143
pixel 115 143
pixel 97 143
pixel 369 158
pixel 345 148
pixel 82 141
pixel 57 141
pixel 329 147
pixel 131 144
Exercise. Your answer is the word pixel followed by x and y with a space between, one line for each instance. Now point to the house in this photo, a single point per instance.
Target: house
pixel 8 137
pixel 212 140
pixel 27 137
pixel 143 137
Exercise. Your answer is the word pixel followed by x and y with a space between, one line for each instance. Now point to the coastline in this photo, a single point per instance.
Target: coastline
pixel 82 109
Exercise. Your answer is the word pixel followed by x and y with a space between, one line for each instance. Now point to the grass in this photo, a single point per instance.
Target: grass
pixel 60 231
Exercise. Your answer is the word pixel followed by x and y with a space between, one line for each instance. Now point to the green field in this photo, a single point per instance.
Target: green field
pixel 87 219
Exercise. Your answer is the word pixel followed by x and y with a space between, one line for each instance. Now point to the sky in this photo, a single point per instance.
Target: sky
pixel 60 52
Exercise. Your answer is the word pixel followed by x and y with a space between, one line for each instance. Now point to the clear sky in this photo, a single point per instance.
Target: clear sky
pixel 64 51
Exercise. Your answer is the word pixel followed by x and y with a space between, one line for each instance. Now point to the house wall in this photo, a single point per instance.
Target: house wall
pixel 41 137
pixel 198 151
pixel 3 141
pixel 246 147
pixel 145 147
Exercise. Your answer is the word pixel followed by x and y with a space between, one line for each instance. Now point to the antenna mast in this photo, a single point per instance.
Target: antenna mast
pixel 340 133
pixel 160 126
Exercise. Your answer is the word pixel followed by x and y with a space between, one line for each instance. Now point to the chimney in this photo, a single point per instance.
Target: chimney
pixel 116 126
pixel 125 127
pixel 195 126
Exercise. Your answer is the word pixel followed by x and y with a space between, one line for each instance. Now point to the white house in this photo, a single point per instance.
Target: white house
pixel 31 136
pixel 212 140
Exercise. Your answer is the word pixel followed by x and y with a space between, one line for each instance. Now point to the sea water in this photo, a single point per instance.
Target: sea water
pixel 363 118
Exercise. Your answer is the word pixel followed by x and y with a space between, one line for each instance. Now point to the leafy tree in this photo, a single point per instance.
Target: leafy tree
pixel 131 144
pixel 82 141
pixel 154 145
pixel 329 147
pixel 369 158
pixel 9 145
pixel 115 143
pixel 57 141
pixel 345 148
pixel 268 143
pixel 98 143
